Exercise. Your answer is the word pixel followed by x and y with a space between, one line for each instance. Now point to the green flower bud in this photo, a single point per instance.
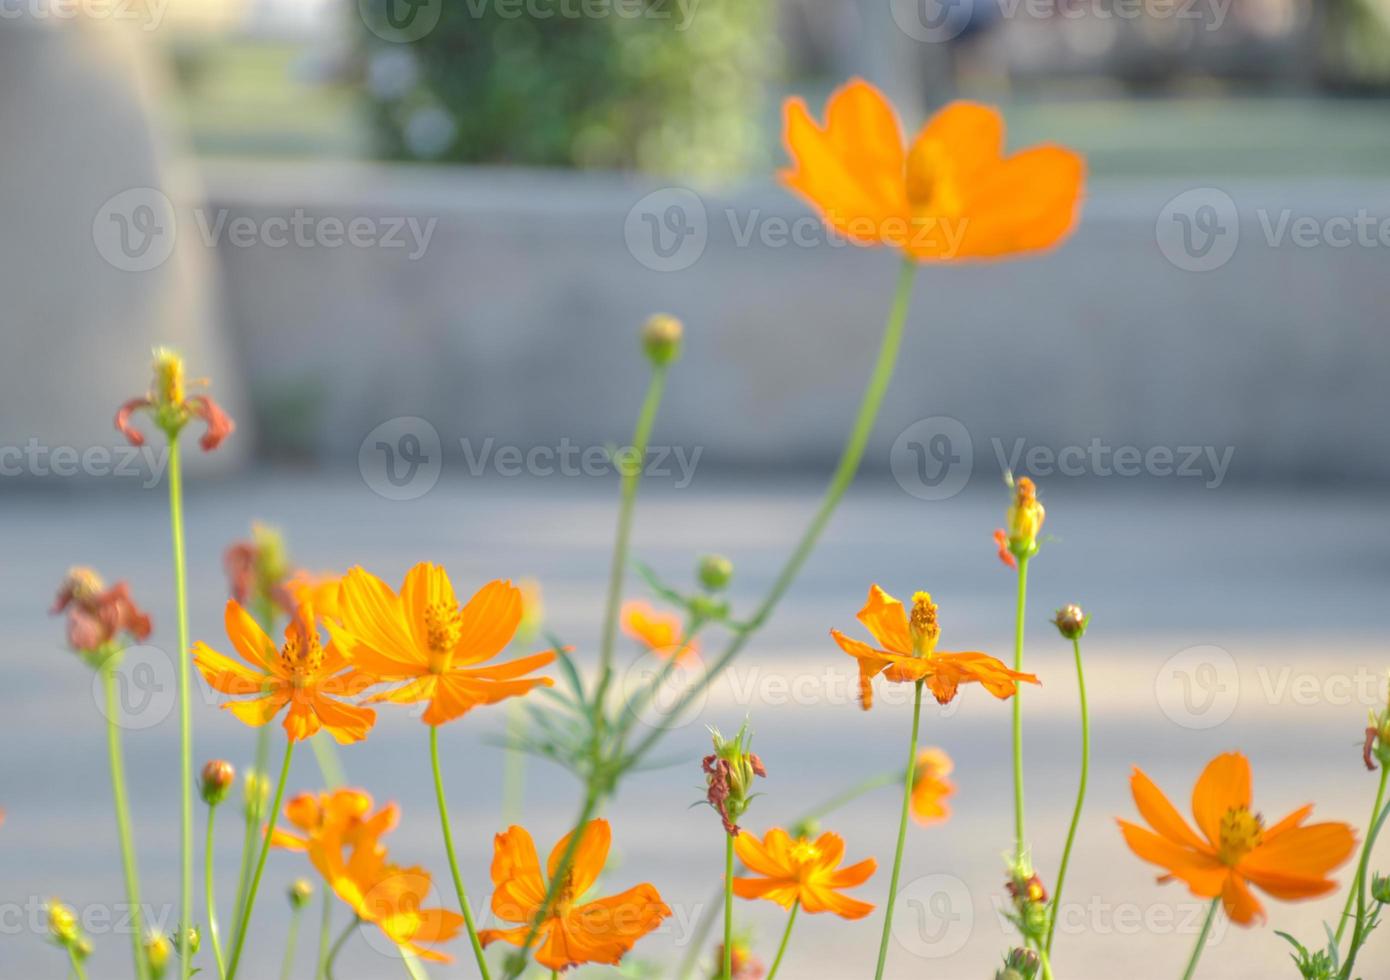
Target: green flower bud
pixel 216 781
pixel 661 338
pixel 1071 622
pixel 300 892
pixel 715 572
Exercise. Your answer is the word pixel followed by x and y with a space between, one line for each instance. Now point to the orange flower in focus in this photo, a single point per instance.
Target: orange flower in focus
pixel 1234 848
pixel 600 931
pixel 302 673
pixel 951 195
pixel 909 652
pixel 930 787
pixel 802 871
pixel 659 632
pixel 422 636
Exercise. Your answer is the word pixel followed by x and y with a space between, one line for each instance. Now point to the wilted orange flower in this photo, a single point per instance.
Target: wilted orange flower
pixel 256 568
pixel 930 787
pixel 802 870
pixel 422 636
pixel 951 195
pixel 97 616
pixel 169 404
pixel 303 674
pixel 659 632
pixel 909 652
pixel 600 931
pixel 1235 849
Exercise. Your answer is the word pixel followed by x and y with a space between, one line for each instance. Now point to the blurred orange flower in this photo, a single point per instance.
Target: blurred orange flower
pixel 422 636
pixel 303 673
pixel 659 632
pixel 951 195
pixel 930 787
pixel 328 820
pixel 802 871
pixel 909 652
pixel 600 931
pixel 1235 849
pixel 98 616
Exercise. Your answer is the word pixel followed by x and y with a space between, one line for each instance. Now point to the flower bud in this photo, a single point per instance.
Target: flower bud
pixel 217 778
pixel 1023 962
pixel 62 924
pixel 1008 973
pixel 194 937
pixel 1380 888
pixel 1024 519
pixel 729 774
pixel 715 572
pixel 300 892
pixel 661 338
pixel 158 952
pixel 256 789
pixel 1071 622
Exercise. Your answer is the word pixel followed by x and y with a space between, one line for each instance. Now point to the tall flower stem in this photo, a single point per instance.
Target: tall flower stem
pixel 1080 796
pixel 260 863
pixel 338 945
pixel 123 833
pixel 291 942
pixel 453 860
pixel 325 923
pixel 902 833
pixel 76 961
pixel 185 714
pixel 1356 881
pixel 1364 922
pixel 1020 846
pixel 210 895
pixel 786 936
pixel 1191 970
pixel 513 764
pixel 727 970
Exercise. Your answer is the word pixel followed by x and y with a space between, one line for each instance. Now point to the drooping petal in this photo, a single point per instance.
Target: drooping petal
pixel 1204 874
pixel 219 424
pixel 301 721
pixel 815 899
pixel 123 416
pixel 1224 785
pixel 885 618
pixel 1240 903
pixel 347 723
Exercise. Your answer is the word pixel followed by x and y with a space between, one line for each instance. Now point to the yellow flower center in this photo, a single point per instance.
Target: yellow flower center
pixel 564 898
pixel 443 627
pixel 923 626
pixel 168 377
pixel 302 655
pixel 1241 832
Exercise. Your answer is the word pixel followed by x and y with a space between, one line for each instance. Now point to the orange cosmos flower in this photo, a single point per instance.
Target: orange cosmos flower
pixel 659 632
pixel 600 931
pixel 930 787
pixel 1235 849
pixel 422 636
pixel 802 871
pixel 302 673
pixel 329 821
pixel 951 195
pixel 909 652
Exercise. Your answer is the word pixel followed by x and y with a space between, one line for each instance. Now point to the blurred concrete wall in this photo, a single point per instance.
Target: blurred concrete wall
pixel 1177 317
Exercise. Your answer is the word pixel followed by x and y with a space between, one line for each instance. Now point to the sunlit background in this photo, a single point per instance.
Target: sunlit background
pixel 411 244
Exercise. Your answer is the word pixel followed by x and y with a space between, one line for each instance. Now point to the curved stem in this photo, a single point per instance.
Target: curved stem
pixel 1020 608
pixel 325 923
pixel 727 970
pixel 786 935
pixel 338 945
pixel 1359 934
pixel 118 793
pixel 210 896
pixel 185 715
pixel 78 970
pixel 1080 796
pixel 260 863
pixel 291 941
pixel 902 833
pixel 1191 970
pixel 853 793
pixel 1356 881
pixel 453 860
pixel 845 470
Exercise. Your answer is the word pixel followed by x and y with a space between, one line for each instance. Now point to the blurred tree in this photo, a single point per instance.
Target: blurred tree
pixel 664 86
pixel 1355 45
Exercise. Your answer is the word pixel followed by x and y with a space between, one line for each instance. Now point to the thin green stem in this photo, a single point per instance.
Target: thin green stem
pixel 453 860
pixel 782 947
pixel 260 863
pixel 291 942
pixel 1080 796
pixel 1191 970
pixel 1363 923
pixel 1020 846
pixel 1046 962
pixel 76 962
pixel 727 970
pixel 210 896
pixel 513 764
pixel 902 833
pixel 845 470
pixel 853 793
pixel 185 713
pixel 337 946
pixel 1356 881
pixel 254 805
pixel 325 924
pixel 118 793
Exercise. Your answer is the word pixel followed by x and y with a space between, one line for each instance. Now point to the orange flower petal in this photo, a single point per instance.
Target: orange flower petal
pixel 1240 903
pixel 1028 203
pixel 886 619
pixel 226 675
pixel 754 854
pixel 589 856
pixel 854 874
pixel 1160 814
pixel 1205 876
pixel 490 620
pixel 301 721
pixel 818 899
pixel 1304 852
pixel 1222 786
pixel 426 584
pixel 969 137
pixel 258 711
pixel 255 647
pixel 347 723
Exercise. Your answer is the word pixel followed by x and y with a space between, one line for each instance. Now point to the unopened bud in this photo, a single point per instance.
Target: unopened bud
pixel 729 775
pixel 1023 962
pixel 1071 622
pixel 158 952
pixel 1380 888
pixel 300 892
pixel 1024 519
pixel 661 338
pixel 169 387
pixel 218 776
pixel 62 923
pixel 715 572
pixel 256 788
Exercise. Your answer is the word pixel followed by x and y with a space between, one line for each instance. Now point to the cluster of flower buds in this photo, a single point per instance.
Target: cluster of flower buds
pixel 729 773
pixel 99 619
pixel 1023 521
pixel 1030 901
pixel 257 569
pixel 1020 964
pixel 1377 747
pixel 1071 622
pixel 66 932
pixel 714 573
pixel 216 781
pixel 743 965
pixel 171 407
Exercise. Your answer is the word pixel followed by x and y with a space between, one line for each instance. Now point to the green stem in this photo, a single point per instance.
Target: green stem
pixel 845 470
pixel 853 793
pixel 728 968
pixel 325 923
pixel 902 833
pixel 1020 608
pixel 786 935
pixel 1362 930
pixel 76 962
pixel 291 942
pixel 513 764
pixel 210 896
pixel 1046 962
pixel 123 832
pixel 1080 796
pixel 254 805
pixel 453 860
pixel 260 863
pixel 338 945
pixel 1191 970
pixel 1356 881
pixel 185 714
